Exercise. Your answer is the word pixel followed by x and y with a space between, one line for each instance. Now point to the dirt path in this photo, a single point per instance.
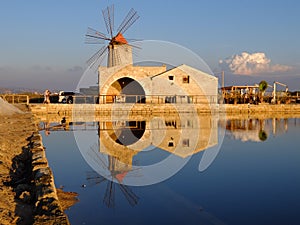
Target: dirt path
pixel 17 187
pixel 14 131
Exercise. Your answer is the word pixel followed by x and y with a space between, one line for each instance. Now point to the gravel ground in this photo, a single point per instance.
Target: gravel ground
pixel 14 130
pixel 17 205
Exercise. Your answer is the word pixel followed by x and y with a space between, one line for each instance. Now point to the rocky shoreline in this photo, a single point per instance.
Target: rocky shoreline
pixel 27 191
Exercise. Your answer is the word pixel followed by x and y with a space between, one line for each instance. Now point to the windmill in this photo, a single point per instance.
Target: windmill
pixel 119 51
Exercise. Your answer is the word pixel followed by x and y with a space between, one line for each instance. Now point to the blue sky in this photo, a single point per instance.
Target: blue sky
pixel 42 42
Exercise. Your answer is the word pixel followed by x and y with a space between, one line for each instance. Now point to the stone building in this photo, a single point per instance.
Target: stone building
pixel 156 84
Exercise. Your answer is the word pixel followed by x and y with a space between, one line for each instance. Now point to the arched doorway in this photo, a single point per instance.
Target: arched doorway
pixel 126 132
pixel 126 90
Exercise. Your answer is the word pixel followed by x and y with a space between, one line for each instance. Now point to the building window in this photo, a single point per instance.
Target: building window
pixel 186 142
pixel 189 123
pixel 171 144
pixel 171 123
pixel 186 79
pixel 171 77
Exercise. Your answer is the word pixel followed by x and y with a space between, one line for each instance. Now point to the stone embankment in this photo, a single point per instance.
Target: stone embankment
pixel 155 109
pixel 47 206
pixel 27 191
pixel 262 111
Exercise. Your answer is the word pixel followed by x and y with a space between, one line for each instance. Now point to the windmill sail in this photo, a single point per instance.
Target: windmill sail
pixel 131 17
pixel 94 37
pixel 108 15
pixel 96 58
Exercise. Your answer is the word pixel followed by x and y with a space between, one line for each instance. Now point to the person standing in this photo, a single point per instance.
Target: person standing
pixel 47 97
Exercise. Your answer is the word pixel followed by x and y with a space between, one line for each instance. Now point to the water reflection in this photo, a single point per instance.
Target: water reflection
pixel 121 140
pixel 117 150
pixel 110 146
pixel 124 132
pixel 255 130
pixel 179 135
pixel 109 197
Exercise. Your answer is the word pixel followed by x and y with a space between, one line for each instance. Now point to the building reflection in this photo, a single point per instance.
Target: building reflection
pixel 255 130
pixel 182 135
pixel 119 141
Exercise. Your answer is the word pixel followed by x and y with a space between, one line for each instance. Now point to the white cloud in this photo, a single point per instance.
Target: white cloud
pixel 251 64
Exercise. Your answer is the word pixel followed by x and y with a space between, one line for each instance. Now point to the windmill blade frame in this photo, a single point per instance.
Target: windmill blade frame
pixel 134 46
pixel 94 178
pixel 129 20
pixel 108 16
pixel 134 40
pixel 93 40
pixel 94 37
pixel 96 34
pixel 131 197
pixel 97 158
pixel 109 197
pixel 91 61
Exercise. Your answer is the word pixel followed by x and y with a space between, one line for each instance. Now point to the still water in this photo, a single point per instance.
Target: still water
pixel 249 171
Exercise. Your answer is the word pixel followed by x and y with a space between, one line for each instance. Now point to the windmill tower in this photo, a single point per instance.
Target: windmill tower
pixel 118 48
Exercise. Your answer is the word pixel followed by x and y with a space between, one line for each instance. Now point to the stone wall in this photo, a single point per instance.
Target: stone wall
pixel 47 206
pixel 186 81
pixel 99 109
pixel 152 109
pixel 27 193
pixel 262 109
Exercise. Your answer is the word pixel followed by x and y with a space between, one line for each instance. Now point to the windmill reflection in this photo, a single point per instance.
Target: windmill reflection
pixel 121 140
pixel 118 171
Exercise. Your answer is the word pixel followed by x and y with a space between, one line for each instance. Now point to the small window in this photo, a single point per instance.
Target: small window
pixel 186 79
pixel 171 144
pixel 171 77
pixel 186 142
pixel 189 123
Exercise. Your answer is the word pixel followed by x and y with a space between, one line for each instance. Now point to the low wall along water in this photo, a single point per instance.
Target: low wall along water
pixel 152 109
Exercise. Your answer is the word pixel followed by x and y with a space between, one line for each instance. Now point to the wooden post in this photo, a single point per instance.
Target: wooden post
pixel 274 92
pixel 223 78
